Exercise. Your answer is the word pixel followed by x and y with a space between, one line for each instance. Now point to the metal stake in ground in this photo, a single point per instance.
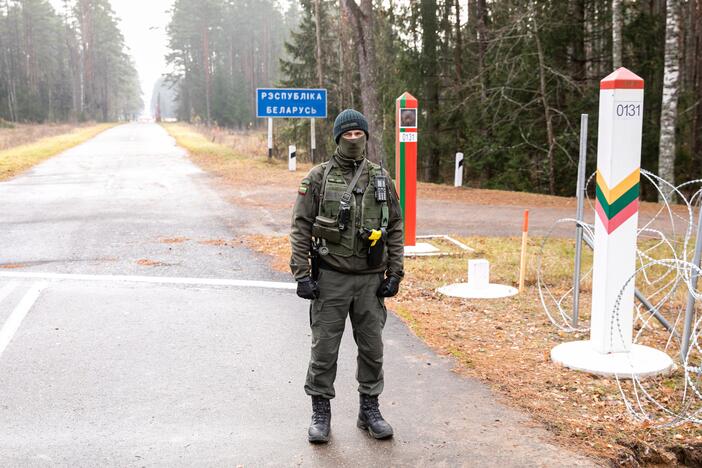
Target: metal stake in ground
pixel 270 138
pixel 580 194
pixel 610 350
pixel 690 308
pixel 522 260
pixel 313 141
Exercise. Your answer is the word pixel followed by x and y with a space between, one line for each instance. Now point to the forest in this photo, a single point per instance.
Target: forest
pixel 69 65
pixel 503 81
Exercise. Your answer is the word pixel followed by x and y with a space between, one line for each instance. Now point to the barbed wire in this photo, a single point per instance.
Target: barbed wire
pixel 665 275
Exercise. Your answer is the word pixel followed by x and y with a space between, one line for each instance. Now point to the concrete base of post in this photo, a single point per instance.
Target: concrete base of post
pixel 468 291
pixel 421 248
pixel 641 361
pixel 478 285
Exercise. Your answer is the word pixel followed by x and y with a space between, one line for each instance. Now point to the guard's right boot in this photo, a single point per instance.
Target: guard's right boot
pixel 318 432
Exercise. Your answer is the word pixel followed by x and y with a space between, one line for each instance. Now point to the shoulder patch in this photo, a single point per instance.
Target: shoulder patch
pixel 304 186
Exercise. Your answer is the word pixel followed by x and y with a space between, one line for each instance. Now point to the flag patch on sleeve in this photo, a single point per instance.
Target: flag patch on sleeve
pixel 304 185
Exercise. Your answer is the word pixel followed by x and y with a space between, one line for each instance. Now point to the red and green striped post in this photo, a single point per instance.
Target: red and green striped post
pixel 406 114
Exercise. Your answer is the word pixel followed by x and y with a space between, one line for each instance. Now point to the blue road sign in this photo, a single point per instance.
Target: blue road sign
pixel 291 103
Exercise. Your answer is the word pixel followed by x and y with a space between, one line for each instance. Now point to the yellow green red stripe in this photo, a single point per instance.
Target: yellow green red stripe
pixel 616 205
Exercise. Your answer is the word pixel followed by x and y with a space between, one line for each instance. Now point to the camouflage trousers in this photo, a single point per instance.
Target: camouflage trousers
pixel 344 294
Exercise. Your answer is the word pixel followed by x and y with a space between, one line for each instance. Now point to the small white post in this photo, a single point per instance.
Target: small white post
pixel 313 146
pixel 458 179
pixel 292 159
pixel 270 138
pixel 478 274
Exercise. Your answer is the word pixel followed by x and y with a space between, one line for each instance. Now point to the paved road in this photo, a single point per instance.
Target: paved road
pixel 108 357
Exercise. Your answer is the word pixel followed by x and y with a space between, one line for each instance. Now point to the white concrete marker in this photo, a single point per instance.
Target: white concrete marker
pixel 292 158
pixel 458 177
pixel 15 319
pixel 152 280
pixel 478 285
pixel 610 349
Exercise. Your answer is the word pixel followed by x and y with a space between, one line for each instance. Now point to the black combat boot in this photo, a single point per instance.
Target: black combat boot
pixel 321 420
pixel 369 418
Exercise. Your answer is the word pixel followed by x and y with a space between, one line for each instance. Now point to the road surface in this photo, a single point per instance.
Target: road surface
pixel 137 331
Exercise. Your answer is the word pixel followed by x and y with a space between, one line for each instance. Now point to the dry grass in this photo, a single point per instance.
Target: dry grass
pixel 507 343
pixel 20 134
pixel 21 157
pixel 238 158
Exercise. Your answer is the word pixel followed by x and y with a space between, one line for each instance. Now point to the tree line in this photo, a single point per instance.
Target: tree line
pixel 220 52
pixel 64 65
pixel 503 81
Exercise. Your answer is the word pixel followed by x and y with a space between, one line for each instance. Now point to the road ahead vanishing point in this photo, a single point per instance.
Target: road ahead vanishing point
pixel 135 332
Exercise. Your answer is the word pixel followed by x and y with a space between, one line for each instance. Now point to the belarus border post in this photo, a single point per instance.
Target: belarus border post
pixel 347 256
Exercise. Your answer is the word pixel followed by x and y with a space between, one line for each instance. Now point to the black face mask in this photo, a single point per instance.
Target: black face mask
pixel 354 148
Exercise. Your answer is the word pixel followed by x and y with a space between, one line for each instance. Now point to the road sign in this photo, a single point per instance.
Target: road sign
pixel 291 103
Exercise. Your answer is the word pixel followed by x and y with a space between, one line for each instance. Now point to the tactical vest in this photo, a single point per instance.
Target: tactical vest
pixel 370 215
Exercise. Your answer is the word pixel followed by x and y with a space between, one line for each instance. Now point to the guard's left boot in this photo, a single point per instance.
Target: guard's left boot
pixel 370 419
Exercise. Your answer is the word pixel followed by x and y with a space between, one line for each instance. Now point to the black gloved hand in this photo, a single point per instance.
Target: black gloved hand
pixel 389 287
pixel 307 288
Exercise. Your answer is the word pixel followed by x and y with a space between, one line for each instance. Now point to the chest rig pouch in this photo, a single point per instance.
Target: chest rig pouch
pixel 344 212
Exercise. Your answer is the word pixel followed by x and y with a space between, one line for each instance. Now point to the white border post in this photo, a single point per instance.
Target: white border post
pixel 270 138
pixel 313 142
pixel 610 350
pixel 292 158
pixel 458 178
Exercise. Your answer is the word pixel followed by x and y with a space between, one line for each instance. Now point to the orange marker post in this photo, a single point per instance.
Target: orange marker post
pixel 406 115
pixel 522 261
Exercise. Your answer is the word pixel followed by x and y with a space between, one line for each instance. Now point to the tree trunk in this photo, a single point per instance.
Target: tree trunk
pixel 669 102
pixel 458 48
pixel 481 29
pixel 694 66
pixel 206 67
pixel 617 21
pixel 362 18
pixel 431 90
pixel 578 58
pixel 345 55
pixel 318 37
pixel 547 114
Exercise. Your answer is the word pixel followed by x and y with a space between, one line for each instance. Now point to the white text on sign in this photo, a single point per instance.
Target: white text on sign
pixel 294 95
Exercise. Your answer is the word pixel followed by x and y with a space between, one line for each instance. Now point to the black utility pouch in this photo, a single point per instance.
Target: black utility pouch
pixel 326 228
pixel 375 253
pixel 375 250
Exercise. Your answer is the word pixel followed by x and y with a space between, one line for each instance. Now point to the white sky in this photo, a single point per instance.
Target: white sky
pixel 143 24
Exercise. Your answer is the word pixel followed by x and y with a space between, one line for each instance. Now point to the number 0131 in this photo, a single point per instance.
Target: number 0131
pixel 628 109
pixel 408 137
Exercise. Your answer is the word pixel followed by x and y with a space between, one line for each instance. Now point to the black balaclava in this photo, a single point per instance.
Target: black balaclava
pixel 354 148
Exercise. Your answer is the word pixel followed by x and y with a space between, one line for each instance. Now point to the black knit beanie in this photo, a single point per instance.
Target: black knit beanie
pixel 348 120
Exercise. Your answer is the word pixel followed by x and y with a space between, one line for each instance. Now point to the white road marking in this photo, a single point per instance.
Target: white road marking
pixel 15 319
pixel 152 280
pixel 7 289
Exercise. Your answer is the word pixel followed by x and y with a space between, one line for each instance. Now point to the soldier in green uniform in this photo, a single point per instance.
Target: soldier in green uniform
pixel 347 257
